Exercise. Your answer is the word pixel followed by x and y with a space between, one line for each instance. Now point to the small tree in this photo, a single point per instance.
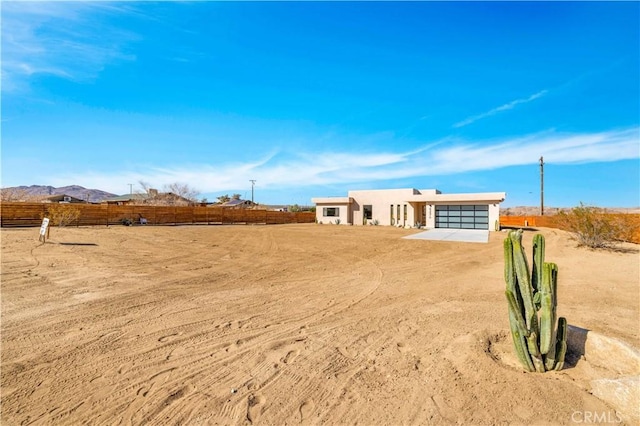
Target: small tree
pixel 182 190
pixel 594 227
pixel 224 198
pixel 63 214
pixel 173 194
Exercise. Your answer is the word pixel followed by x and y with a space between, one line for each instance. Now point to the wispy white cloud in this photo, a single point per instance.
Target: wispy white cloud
pixel 501 108
pixel 71 40
pixel 310 169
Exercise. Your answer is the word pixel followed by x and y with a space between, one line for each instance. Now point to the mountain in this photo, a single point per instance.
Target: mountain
pixel 35 192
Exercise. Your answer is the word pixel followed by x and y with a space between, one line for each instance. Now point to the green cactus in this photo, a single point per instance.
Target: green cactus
pixel 532 301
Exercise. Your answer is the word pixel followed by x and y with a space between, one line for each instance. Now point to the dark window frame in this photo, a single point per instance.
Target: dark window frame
pixel 334 210
pixel 367 211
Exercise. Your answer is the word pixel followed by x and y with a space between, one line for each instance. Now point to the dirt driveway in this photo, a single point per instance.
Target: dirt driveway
pixel 290 324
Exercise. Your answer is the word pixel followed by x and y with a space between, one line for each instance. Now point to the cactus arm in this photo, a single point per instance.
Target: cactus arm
pixel 517 323
pixel 547 309
pixel 538 262
pixel 561 345
pixel 509 272
pixel 534 351
pixel 517 315
pixel 551 355
pixel 550 358
pixel 561 352
pixel 524 281
pixel 554 285
pixel 536 300
pixel 520 343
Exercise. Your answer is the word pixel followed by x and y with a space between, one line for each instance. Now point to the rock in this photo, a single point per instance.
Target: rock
pixel 618 365
pixel 623 394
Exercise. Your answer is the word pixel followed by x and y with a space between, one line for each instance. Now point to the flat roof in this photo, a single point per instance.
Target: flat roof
pixel 332 200
pixel 489 197
pixel 431 197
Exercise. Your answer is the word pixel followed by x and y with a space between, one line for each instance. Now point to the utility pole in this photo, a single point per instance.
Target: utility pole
pixel 130 188
pixel 253 183
pixel 541 186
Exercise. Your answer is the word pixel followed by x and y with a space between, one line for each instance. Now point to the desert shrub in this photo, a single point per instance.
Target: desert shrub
pixel 63 214
pixel 375 222
pixel 594 227
pixel 338 221
pixel 629 225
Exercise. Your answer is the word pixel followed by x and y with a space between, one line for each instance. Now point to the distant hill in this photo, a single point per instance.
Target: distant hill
pixel 35 192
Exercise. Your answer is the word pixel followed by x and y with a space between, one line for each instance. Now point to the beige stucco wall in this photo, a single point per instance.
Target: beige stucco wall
pixel 344 204
pixel 381 200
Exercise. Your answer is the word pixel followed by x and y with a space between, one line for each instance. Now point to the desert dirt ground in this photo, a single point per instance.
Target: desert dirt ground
pixel 291 324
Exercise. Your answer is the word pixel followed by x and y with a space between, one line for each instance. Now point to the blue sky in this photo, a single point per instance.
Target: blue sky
pixel 314 99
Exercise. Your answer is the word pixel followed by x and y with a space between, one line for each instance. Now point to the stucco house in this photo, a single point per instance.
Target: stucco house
pixel 63 198
pixel 428 208
pixel 237 203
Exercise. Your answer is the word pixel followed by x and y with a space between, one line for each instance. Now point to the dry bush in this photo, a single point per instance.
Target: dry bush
pixel 594 227
pixel 63 214
pixel 629 225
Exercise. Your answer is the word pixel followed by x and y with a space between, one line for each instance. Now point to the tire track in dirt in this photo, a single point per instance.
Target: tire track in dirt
pixel 272 336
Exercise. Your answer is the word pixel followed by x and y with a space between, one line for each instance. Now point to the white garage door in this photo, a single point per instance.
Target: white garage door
pixel 463 217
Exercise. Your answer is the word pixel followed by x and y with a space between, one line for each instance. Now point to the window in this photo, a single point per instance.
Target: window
pixel 66 199
pixel 392 222
pixel 367 211
pixel 405 212
pixel 331 211
pixel 398 213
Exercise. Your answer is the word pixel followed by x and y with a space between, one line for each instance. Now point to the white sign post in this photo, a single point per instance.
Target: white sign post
pixel 43 229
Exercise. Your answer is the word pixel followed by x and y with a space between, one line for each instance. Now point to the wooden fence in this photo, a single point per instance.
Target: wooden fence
pixel 31 214
pixel 633 221
pixel 527 221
